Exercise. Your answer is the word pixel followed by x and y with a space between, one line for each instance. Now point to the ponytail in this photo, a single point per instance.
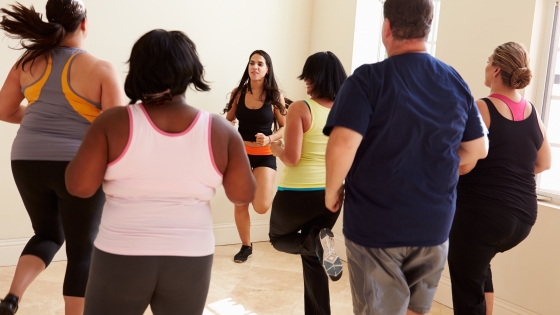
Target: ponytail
pixel 36 36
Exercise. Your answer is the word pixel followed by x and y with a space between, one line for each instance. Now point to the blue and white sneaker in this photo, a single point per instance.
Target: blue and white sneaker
pixel 327 255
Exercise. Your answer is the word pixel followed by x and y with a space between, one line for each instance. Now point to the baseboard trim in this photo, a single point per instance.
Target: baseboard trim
pixel 225 234
pixel 501 307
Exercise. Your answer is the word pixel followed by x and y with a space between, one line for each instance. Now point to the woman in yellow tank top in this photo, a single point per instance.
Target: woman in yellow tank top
pixel 299 204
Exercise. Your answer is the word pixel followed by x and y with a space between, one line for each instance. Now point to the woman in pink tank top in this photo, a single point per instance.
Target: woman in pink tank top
pixel 160 162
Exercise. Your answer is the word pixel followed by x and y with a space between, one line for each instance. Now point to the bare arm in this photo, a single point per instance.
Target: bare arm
pixel 112 93
pixel 86 171
pixel 11 97
pixel 289 152
pixel 281 121
pixel 544 155
pixel 261 140
pixel 341 150
pixel 230 115
pixel 467 164
pixel 238 181
pixel 470 152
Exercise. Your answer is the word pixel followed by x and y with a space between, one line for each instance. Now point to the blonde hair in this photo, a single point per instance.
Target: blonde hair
pixel 513 61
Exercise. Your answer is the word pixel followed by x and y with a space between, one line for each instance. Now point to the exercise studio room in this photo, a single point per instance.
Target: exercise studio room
pixel 279 157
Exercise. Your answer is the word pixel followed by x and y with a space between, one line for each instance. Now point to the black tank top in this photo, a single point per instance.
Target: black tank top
pixel 253 121
pixel 505 181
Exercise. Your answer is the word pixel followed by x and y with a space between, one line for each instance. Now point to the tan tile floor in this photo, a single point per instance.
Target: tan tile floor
pixel 269 283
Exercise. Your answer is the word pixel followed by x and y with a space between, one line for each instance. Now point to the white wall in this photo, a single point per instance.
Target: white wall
pixel 225 33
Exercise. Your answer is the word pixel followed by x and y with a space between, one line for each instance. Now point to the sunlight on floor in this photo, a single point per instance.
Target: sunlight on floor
pixel 227 307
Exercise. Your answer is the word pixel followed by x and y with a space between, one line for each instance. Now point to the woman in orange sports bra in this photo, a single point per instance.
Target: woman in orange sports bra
pixel 258 105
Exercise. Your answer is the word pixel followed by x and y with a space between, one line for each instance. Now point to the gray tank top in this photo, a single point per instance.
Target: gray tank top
pixel 56 118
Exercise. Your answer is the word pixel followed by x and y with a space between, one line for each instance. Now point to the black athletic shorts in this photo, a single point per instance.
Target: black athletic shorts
pixel 262 161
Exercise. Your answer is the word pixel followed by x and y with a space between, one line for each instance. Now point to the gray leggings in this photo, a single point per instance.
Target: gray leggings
pixel 126 285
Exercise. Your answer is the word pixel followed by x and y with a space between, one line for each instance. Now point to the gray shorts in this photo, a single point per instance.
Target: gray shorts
pixel 392 280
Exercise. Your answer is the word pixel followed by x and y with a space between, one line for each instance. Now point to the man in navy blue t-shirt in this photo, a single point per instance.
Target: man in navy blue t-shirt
pixel 399 129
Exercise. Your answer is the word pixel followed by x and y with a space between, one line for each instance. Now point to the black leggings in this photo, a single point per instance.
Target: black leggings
pixel 474 240
pixel 57 216
pixel 126 285
pixel 305 211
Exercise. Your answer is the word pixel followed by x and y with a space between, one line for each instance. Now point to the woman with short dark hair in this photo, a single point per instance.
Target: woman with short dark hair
pixel 160 162
pixel 66 89
pixel 260 108
pixel 496 197
pixel 300 223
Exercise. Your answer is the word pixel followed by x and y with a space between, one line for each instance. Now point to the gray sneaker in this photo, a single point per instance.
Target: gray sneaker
pixel 327 256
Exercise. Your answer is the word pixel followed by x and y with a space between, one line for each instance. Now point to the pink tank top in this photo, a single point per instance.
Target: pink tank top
pixel 158 191
pixel 517 108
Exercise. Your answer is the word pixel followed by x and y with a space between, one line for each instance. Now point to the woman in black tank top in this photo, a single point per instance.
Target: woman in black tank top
pixel 259 106
pixel 496 200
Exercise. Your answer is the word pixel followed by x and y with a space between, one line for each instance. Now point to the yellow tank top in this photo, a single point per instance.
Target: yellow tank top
pixel 309 173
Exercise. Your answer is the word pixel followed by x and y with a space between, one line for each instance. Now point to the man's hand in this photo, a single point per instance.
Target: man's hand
pixel 334 199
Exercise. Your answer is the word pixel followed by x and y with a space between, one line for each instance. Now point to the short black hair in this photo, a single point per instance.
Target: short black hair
pixel 325 71
pixel 163 60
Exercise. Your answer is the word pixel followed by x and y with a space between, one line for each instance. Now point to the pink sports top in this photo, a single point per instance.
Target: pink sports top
pixel 158 191
pixel 517 108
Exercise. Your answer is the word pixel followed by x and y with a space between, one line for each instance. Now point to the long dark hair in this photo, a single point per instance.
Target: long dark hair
pixel 326 73
pixel 270 88
pixel 163 64
pixel 36 36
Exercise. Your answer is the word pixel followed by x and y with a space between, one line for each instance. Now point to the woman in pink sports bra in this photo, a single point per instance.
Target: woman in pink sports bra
pixel 496 197
pixel 160 162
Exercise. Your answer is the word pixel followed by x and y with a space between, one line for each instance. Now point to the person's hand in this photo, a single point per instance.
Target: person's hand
pixel 262 140
pixel 233 122
pixel 334 199
pixel 276 147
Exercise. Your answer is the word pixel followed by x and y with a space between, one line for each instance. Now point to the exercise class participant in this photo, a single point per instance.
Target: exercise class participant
pixel 399 130
pixel 258 105
pixel 497 200
pixel 299 222
pixel 160 163
pixel 66 89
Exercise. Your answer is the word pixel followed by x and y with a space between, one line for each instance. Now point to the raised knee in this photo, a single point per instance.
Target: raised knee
pixel 260 208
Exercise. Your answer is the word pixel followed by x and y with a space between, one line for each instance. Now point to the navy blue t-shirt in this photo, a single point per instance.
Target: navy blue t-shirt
pixel 413 112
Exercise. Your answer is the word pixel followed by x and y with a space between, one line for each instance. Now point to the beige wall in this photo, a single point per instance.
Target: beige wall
pixel 332 28
pixel 225 33
pixel 470 30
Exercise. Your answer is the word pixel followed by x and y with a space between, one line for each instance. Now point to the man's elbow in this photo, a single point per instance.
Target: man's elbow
pixel 482 148
pixel 541 167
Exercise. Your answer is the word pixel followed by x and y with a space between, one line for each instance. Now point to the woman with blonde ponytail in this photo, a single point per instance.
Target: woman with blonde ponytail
pixel 66 89
pixel 496 197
